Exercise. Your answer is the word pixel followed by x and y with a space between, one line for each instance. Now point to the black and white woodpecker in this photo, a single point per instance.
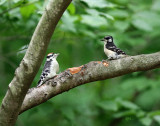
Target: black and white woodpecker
pixel 50 69
pixel 111 50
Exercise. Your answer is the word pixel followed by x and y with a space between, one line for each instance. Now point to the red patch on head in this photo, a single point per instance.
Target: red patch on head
pixel 50 53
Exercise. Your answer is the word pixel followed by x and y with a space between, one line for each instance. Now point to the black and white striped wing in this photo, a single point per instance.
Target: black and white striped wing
pixel 45 72
pixel 112 48
pixel 120 52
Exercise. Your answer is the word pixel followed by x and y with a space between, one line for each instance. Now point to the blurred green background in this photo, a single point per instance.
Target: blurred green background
pixel 129 100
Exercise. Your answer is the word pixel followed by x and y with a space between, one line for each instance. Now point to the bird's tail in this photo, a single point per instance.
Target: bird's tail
pixel 40 82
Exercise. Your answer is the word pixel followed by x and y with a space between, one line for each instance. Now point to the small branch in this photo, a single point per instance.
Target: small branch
pixel 93 71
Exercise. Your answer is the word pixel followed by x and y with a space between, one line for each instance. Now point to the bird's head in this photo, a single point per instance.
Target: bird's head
pixel 107 39
pixel 52 56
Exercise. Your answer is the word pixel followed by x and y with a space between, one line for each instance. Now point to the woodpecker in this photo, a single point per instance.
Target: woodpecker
pixel 50 69
pixel 111 50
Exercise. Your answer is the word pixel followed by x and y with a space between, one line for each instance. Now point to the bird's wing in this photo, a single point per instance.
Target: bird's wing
pixel 117 50
pixel 43 76
pixel 112 48
pixel 120 51
pixel 47 65
pixel 44 73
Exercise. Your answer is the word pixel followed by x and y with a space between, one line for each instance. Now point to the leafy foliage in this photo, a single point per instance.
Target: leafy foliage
pixel 129 100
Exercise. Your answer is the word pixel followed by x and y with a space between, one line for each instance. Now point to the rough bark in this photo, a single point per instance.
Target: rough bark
pixel 31 62
pixel 93 71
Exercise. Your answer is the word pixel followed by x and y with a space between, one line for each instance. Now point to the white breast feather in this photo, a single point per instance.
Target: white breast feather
pixel 110 53
pixel 54 68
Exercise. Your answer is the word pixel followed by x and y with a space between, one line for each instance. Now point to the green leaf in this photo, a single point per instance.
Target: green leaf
pixel 107 16
pixel 89 33
pixel 68 22
pixel 14 14
pixel 71 8
pixel 156 5
pixel 147 15
pixel 140 114
pixel 121 25
pixel 142 20
pixel 95 21
pixel 146 121
pixel 157 119
pixel 22 50
pixel 155 113
pixel 92 12
pixel 124 2
pixel 99 3
pixel 127 104
pixel 26 11
pixel 118 13
pixel 97 13
pixel 125 113
pixel 16 1
pixel 108 105
pixel 2 2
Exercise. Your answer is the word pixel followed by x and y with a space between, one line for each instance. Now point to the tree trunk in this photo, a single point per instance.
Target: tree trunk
pixel 31 62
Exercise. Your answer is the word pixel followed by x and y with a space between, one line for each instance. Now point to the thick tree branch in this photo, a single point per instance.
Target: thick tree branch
pixel 31 62
pixel 93 71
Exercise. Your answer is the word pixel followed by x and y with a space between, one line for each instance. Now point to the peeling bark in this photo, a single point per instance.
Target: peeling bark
pixel 31 62
pixel 93 71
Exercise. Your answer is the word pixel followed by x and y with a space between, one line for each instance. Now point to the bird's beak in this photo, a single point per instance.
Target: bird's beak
pixel 57 55
pixel 102 39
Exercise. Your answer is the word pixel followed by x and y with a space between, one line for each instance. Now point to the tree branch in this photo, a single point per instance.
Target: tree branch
pixel 93 71
pixel 31 62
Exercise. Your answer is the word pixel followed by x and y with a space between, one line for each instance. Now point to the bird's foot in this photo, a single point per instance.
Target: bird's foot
pixel 54 76
pixel 103 61
pixel 111 58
